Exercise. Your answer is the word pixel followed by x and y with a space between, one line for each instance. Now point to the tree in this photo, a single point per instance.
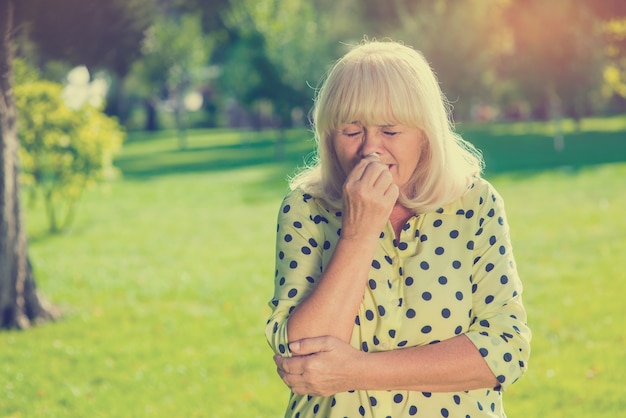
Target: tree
pixel 20 303
pixel 280 50
pixel 556 57
pixel 175 53
pixel 100 34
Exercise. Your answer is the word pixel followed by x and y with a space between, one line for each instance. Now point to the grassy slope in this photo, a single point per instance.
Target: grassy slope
pixel 165 278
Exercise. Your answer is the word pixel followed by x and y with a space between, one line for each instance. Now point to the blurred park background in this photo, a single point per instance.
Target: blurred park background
pixel 156 139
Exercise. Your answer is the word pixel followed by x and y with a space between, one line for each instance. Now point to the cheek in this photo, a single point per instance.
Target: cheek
pixel 345 157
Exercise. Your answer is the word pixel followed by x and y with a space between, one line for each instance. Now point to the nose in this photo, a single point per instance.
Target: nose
pixel 372 142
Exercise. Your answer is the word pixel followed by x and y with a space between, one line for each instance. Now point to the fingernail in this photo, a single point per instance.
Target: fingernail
pixel 294 346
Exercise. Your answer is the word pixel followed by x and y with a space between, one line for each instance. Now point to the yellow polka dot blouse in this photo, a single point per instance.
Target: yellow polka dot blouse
pixel 451 272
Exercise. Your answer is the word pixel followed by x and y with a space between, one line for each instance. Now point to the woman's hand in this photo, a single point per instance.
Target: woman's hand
pixel 369 195
pixel 320 366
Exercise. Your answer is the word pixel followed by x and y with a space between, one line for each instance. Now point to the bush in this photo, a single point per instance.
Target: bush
pixel 62 150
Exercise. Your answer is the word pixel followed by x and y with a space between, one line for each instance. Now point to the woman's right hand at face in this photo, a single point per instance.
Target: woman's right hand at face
pixel 369 195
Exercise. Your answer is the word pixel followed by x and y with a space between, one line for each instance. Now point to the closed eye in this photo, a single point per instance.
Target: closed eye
pixel 390 133
pixel 352 134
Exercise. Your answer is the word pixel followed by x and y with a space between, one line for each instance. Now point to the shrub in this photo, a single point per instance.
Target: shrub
pixel 63 150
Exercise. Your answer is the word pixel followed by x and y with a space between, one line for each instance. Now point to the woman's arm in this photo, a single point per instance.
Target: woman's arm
pixel 331 307
pixel 325 365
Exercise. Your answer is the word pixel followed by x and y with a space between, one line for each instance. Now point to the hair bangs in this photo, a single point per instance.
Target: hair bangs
pixel 371 92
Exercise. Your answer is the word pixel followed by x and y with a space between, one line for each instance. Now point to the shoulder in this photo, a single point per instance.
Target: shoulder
pixel 480 194
pixel 480 191
pixel 300 203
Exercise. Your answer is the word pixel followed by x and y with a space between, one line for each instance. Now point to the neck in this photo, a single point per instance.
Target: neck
pixel 399 216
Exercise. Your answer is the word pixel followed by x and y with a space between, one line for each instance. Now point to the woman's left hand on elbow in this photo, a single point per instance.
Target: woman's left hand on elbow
pixel 319 366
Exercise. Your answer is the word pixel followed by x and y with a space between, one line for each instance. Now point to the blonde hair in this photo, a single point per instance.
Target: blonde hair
pixel 384 83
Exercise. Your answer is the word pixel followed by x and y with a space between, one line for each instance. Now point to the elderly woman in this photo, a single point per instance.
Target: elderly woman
pixel 396 290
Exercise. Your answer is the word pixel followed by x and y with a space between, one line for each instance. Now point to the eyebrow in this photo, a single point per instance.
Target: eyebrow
pixel 356 122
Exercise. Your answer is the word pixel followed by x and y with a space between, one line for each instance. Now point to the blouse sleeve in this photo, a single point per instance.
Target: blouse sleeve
pixel 498 327
pixel 299 247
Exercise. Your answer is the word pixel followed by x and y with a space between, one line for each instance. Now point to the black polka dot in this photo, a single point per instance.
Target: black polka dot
pixel 286 209
pixel 306 250
pixel 410 313
pixel 397 398
pixel 292 293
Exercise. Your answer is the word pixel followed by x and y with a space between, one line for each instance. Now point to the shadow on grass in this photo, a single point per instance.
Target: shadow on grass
pixel 204 157
pixel 503 153
pixel 522 153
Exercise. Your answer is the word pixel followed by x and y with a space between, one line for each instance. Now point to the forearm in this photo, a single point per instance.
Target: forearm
pixel 330 309
pixel 449 366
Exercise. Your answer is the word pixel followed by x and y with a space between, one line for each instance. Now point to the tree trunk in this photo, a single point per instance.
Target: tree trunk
pixel 20 304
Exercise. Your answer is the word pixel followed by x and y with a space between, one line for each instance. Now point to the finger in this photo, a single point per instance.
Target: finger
pixel 313 345
pixel 290 365
pixel 359 168
pixel 373 172
pixel 384 179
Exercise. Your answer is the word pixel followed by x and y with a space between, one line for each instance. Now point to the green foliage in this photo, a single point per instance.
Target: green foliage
pixel 175 59
pixel 280 52
pixel 62 150
pixel 99 34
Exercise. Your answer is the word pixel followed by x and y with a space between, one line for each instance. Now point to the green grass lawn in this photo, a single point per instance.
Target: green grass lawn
pixel 165 276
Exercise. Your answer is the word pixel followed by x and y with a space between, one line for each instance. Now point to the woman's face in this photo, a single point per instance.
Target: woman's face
pixel 398 146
